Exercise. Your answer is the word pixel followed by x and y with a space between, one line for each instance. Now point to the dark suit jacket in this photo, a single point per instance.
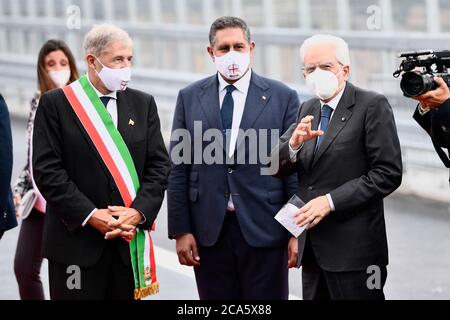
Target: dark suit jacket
pixel 198 194
pixel 7 211
pixel 73 179
pixel 436 123
pixel 358 163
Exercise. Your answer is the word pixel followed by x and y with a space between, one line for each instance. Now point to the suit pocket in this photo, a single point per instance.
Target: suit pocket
pixel 275 197
pixel 193 195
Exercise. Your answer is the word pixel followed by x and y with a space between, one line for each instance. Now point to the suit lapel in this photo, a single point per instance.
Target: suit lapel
pixel 210 104
pixel 339 120
pixel 257 98
pixel 209 101
pixel 126 118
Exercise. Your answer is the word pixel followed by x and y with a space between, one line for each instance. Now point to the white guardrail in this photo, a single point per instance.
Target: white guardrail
pixel 424 174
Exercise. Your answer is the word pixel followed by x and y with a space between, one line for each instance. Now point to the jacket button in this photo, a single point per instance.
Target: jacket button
pixel 310 188
pixel 227 194
pixel 230 170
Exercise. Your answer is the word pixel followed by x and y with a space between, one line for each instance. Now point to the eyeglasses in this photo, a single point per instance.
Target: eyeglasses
pixel 308 69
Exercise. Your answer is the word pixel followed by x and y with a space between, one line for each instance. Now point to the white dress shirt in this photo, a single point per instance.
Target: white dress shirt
pixel 239 97
pixel 333 105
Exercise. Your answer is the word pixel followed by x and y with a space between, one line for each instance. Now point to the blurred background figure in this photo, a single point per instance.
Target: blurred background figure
pixel 7 218
pixel 433 115
pixel 56 67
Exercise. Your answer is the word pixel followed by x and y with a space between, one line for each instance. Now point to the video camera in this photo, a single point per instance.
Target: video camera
pixel 432 64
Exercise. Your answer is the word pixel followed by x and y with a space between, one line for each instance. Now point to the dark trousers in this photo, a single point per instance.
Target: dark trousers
pixel 108 279
pixel 233 270
pixel 319 284
pixel 28 258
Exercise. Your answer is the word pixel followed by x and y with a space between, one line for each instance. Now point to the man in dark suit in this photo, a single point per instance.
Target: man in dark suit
pixel 346 153
pixel 7 212
pixel 433 115
pixel 221 210
pixel 83 200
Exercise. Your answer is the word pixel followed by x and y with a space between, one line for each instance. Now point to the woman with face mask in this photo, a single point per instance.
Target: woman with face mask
pixel 56 67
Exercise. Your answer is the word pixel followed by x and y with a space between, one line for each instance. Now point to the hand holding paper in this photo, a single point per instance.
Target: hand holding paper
pixel 286 216
pixel 313 212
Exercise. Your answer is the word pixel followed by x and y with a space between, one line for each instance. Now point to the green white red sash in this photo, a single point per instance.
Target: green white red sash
pixel 117 158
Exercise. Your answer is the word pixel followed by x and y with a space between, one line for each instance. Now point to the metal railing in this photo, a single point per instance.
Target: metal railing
pixel 18 81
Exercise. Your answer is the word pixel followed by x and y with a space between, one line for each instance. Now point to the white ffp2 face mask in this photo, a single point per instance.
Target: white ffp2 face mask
pixel 60 77
pixel 114 79
pixel 233 65
pixel 323 84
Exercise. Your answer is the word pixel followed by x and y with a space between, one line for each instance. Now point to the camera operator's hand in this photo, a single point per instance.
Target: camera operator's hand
pixel 435 98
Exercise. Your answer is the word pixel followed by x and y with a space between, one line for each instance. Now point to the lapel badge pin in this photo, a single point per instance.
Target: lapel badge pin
pixel 343 119
pixel 131 122
pixel 264 98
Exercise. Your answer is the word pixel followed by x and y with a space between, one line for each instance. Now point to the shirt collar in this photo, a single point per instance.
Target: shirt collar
pixel 241 85
pixel 335 101
pixel 112 94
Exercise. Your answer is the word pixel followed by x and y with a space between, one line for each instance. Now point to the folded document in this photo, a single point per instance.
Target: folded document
pixel 286 216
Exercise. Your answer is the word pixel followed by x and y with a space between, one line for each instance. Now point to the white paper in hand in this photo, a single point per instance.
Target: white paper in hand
pixel 286 219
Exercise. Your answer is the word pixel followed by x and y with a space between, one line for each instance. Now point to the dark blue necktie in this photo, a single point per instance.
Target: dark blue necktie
pixel 325 116
pixel 227 108
pixel 105 100
pixel 227 114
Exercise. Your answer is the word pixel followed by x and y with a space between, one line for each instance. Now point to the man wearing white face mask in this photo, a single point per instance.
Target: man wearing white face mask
pixel 101 164
pixel 222 215
pixel 346 153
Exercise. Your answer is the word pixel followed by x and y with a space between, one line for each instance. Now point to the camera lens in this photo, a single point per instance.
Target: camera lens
pixel 413 84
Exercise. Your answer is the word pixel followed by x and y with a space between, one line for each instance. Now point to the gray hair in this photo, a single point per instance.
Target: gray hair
pixel 341 47
pixel 228 22
pixel 100 36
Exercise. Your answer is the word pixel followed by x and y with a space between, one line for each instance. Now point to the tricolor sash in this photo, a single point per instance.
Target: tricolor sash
pixel 115 154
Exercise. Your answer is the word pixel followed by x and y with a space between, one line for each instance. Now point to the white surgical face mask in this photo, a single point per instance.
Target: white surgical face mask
pixel 114 79
pixel 60 77
pixel 233 65
pixel 323 84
